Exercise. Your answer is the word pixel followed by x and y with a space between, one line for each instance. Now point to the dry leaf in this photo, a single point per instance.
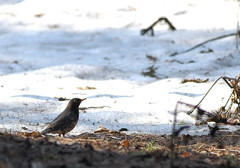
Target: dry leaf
pixel 185 154
pixel 24 128
pixel 125 143
pixel 39 15
pixel 27 134
pixel 104 130
pixel 233 121
pixel 54 26
pixel 152 58
pixel 86 88
pixel 101 129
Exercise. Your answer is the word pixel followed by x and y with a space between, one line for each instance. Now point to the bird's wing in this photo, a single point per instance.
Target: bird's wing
pixel 52 125
pixel 64 113
pixel 60 122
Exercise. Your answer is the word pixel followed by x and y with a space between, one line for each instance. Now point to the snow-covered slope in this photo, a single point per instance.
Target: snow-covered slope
pixel 52 49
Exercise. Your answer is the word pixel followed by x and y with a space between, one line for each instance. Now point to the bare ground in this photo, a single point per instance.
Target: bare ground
pixel 119 150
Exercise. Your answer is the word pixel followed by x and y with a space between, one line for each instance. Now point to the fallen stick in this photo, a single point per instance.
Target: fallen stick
pixel 205 42
pixel 92 107
pixel 150 28
pixel 230 150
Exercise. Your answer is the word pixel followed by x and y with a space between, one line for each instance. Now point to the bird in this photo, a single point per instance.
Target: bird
pixel 66 121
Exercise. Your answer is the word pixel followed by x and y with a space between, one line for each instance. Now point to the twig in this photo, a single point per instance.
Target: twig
pixel 173 136
pixel 92 107
pixel 238 30
pixel 194 80
pixel 175 133
pixel 150 28
pixel 196 106
pixel 205 42
pixel 200 111
pixel 226 79
pixel 61 98
pixel 230 150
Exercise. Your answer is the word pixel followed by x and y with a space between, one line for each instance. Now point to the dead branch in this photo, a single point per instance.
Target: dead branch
pixel 150 28
pixel 92 107
pixel 175 133
pixel 238 29
pixel 196 106
pixel 194 80
pixel 224 113
pixel 199 110
pixel 205 42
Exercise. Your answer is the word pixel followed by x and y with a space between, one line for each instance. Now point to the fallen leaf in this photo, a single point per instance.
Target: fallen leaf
pixel 104 130
pixel 233 121
pixel 125 143
pixel 152 58
pixel 54 26
pixel 101 129
pixel 206 51
pixel 39 15
pixel 150 71
pixel 185 154
pixel 24 128
pixel 86 88
pixel 27 134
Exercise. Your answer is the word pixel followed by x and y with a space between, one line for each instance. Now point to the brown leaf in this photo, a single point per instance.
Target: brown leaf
pixel 125 143
pixel 39 15
pixel 185 154
pixel 206 51
pixel 24 128
pixel 28 134
pixel 101 129
pixel 152 58
pixel 53 26
pixel 86 88
pixel 233 121
pixel 104 130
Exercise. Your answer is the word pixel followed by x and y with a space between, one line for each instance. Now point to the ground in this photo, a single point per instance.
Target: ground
pixel 119 150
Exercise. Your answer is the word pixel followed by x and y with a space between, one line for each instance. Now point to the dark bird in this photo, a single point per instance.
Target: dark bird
pixel 67 120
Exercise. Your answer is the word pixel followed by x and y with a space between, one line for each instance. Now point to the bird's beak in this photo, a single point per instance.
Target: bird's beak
pixel 84 99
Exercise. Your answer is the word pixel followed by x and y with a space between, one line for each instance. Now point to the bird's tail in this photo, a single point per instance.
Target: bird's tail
pixel 44 132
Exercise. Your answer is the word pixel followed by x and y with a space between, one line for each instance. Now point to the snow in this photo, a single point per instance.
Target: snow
pixel 52 48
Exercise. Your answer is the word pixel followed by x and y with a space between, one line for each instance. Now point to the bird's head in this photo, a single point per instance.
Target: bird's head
pixel 74 103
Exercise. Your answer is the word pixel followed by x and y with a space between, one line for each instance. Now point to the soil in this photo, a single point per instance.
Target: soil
pixel 114 149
